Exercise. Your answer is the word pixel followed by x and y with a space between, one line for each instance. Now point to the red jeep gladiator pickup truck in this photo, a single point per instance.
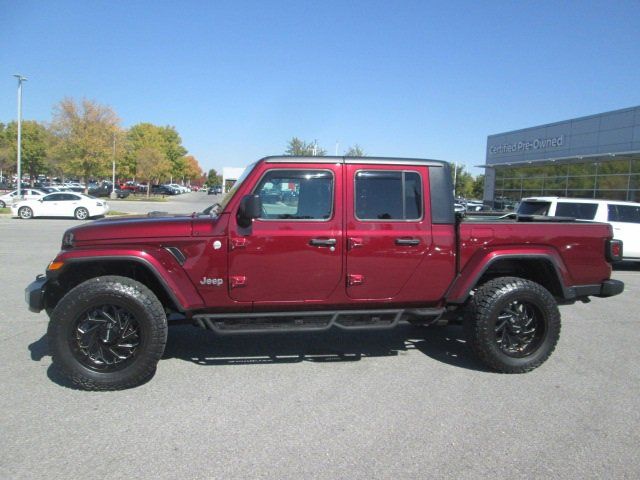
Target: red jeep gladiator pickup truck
pixel 314 243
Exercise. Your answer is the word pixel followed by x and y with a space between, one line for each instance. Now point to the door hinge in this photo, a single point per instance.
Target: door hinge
pixel 239 242
pixel 355 242
pixel 237 281
pixel 355 279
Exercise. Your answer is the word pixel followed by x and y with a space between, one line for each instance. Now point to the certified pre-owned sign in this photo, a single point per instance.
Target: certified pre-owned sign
pixel 523 146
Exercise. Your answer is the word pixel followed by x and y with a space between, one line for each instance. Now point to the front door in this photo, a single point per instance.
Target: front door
pixel 293 252
pixel 388 229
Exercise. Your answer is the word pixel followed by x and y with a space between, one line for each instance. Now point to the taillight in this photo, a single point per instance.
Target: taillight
pixel 614 250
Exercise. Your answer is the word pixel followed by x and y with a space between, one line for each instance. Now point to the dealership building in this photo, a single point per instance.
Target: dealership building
pixel 588 157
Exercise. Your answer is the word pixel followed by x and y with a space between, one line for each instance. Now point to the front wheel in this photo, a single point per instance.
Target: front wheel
pixel 2 204
pixel 513 324
pixel 108 333
pixel 25 213
pixel 81 213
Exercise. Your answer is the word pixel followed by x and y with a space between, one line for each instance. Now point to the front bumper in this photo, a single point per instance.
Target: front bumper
pixel 34 294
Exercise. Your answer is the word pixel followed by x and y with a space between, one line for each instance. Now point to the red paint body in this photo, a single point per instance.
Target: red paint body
pixel 272 266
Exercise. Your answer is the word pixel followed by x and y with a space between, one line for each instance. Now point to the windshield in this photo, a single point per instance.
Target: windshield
pixel 231 193
pixel 529 207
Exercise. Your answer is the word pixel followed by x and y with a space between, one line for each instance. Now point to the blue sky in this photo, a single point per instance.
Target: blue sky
pixel 400 78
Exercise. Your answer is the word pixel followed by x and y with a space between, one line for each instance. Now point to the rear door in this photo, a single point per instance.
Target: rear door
pixel 293 252
pixel 625 221
pixel 388 228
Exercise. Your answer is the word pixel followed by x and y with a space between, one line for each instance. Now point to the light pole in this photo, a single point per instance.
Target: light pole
pixel 19 149
pixel 113 171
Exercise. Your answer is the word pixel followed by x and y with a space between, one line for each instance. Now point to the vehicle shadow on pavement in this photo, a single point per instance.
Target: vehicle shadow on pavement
pixel 204 347
pixel 40 349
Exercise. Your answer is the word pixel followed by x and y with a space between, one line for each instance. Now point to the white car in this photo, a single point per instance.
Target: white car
pixel 27 194
pixel 624 217
pixel 180 188
pixel 61 204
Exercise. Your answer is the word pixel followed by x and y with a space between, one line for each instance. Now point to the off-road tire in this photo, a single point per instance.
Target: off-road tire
pixel 25 213
pixel 81 213
pixel 489 301
pixel 124 293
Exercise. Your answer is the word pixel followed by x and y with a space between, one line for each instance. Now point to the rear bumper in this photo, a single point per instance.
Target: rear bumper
pixel 608 288
pixel 34 294
pixel 611 288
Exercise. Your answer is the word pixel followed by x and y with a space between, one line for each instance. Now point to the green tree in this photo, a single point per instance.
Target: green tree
pixel 34 141
pixel 164 139
pixel 151 164
pixel 84 132
pixel 478 187
pixel 213 179
pixel 355 151
pixel 300 148
pixel 7 163
pixel 463 181
pixel 139 137
pixel 174 151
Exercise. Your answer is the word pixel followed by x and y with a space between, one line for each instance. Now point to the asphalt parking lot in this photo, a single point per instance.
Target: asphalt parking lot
pixel 410 403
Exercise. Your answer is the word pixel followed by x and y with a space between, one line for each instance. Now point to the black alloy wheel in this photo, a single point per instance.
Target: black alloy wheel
pixel 519 329
pixel 106 338
pixel 107 333
pixel 512 324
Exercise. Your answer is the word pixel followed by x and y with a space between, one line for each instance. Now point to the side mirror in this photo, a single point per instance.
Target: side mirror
pixel 250 208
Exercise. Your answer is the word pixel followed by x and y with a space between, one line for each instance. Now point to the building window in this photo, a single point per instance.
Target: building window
pixel 615 179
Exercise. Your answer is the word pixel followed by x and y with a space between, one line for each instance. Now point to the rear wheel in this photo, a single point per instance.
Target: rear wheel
pixel 513 324
pixel 81 213
pixel 2 204
pixel 25 213
pixel 108 333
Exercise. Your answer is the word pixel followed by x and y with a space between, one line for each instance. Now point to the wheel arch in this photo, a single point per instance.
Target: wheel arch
pixel 79 270
pixel 543 269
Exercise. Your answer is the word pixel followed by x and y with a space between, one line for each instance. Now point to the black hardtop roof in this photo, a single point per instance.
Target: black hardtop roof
pixel 358 160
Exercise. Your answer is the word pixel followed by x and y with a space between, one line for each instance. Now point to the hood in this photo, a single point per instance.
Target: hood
pixel 155 225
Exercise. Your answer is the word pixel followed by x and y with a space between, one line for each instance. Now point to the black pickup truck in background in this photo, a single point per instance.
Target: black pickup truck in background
pixel 104 190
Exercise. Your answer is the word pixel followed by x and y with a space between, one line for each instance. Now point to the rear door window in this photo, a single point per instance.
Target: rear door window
pixel 388 195
pixel 623 213
pixel 582 211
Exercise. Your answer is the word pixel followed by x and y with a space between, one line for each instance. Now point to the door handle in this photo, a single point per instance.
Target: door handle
pixel 411 242
pixel 322 242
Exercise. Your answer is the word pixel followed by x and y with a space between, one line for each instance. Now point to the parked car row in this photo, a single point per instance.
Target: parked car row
pixel 166 189
pixel 104 189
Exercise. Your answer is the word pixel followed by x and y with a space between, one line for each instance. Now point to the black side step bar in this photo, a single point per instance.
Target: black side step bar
pixel 228 323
